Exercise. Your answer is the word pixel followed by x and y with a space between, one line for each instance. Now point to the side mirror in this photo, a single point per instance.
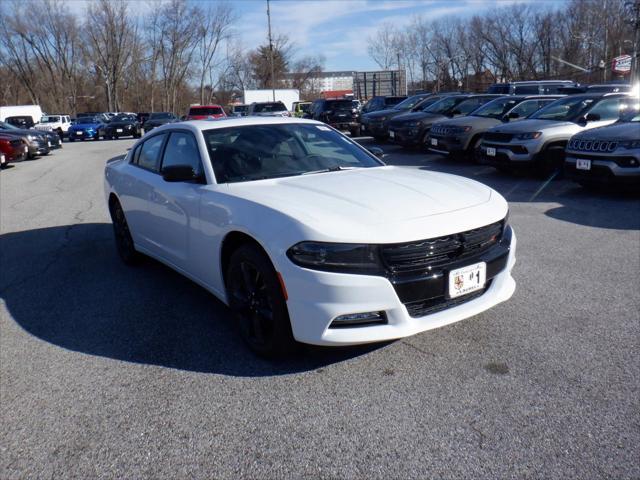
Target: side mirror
pixel 378 152
pixel 179 173
pixel 592 117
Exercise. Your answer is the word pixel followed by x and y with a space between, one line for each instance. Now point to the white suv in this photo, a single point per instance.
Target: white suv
pixel 57 123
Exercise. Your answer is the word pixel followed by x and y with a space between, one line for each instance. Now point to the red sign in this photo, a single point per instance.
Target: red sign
pixel 621 65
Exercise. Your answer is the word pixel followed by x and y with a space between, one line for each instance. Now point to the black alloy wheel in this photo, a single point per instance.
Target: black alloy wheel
pixel 124 241
pixel 256 298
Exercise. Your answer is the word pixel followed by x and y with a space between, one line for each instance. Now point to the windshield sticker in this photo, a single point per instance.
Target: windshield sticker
pixel 323 128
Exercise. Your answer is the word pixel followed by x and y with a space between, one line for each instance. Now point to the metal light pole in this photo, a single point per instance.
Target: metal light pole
pixel 273 79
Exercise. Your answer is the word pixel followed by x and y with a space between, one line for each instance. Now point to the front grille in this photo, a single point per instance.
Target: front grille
pixel 497 137
pixel 434 305
pixel 445 131
pixel 585 145
pixel 436 253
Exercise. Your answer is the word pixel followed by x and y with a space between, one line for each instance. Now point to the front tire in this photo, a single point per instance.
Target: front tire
pixel 256 298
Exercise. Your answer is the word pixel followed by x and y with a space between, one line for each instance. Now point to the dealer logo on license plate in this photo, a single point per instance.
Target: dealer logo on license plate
pixel 467 279
pixel 491 152
pixel 583 164
pixel 434 142
pixel 392 134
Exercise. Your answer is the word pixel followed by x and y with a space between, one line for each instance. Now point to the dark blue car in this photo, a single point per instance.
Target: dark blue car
pixel 86 127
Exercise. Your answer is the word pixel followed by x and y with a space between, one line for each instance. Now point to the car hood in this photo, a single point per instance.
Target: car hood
pixel 85 126
pixel 24 132
pixel 355 203
pixel 420 116
pixel 532 125
pixel 619 131
pixel 119 124
pixel 478 123
pixel 158 121
pixel 385 113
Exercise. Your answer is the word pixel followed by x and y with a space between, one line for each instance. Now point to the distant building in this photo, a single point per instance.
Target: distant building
pixel 362 84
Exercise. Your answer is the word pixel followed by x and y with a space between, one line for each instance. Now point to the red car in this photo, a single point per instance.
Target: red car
pixel 203 112
pixel 12 149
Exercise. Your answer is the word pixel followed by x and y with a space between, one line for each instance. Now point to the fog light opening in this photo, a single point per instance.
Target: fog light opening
pixel 359 320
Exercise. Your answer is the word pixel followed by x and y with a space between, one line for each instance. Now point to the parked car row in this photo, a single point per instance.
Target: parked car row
pixel 17 144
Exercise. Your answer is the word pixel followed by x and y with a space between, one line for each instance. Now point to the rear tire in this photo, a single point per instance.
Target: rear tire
pixel 256 298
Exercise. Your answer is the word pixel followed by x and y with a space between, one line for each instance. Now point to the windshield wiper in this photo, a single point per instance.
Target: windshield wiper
pixel 337 168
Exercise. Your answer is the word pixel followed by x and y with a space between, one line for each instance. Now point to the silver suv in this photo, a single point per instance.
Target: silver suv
pixel 539 141
pixel 606 156
pixel 462 135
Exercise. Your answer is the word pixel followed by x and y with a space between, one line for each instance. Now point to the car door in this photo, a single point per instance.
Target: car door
pixel 174 207
pixel 136 188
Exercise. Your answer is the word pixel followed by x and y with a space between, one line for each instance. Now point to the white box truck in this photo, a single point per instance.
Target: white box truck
pixel 284 95
pixel 33 111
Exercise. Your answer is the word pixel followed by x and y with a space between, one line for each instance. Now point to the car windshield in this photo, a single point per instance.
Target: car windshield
pixel 630 115
pixel 205 111
pixel 123 118
pixel 339 105
pixel 565 109
pixel 496 108
pixel 258 152
pixel 269 107
pixel 409 103
pixel 49 119
pixel 241 108
pixel 87 120
pixel 7 126
pixel 160 116
pixel 443 105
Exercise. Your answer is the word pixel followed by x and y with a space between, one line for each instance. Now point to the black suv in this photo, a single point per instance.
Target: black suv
pixel 123 125
pixel 376 123
pixel 412 129
pixel 340 114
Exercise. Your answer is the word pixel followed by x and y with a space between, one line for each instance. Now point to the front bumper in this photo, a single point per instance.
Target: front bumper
pixel 514 154
pixel 83 134
pixel 343 124
pixel 406 136
pixel 375 129
pixel 316 298
pixel 447 144
pixel 603 170
pixel 38 147
pixel 120 132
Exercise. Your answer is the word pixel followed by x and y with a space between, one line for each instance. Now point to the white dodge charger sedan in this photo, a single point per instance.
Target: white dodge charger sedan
pixel 306 235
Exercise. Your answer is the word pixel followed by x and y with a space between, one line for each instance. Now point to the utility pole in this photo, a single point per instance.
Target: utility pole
pixel 273 79
pixel 633 7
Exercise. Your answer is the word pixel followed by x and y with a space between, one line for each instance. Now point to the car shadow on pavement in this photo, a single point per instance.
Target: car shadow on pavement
pixel 67 286
pixel 601 209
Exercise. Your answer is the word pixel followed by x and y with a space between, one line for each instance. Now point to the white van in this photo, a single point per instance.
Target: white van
pixel 33 111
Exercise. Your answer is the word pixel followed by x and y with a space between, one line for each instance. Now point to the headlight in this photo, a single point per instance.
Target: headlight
pixel 31 138
pixel 337 257
pixel 528 136
pixel 413 124
pixel 464 129
pixel 631 144
pixel 382 119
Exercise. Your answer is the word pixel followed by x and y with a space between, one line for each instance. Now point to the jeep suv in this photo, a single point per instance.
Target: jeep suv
pixel 412 129
pixel 376 123
pixel 55 123
pixel 534 87
pixel 606 156
pixel 539 141
pixel 340 114
pixel 461 136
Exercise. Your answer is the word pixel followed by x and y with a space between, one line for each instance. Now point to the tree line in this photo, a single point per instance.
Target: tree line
pixel 517 42
pixel 111 58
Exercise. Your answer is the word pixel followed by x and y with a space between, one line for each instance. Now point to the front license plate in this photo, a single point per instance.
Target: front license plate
pixel 119 130
pixel 434 142
pixel 26 149
pixel 491 152
pixel 467 279
pixel 363 128
pixel 78 133
pixel 392 134
pixel 582 164
pixel 49 143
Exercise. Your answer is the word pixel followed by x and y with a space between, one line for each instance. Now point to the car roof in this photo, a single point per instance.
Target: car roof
pixel 195 125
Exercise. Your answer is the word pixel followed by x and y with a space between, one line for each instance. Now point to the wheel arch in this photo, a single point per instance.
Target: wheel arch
pixel 231 242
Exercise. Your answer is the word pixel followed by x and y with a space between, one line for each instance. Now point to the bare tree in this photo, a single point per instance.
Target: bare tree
pixel 383 46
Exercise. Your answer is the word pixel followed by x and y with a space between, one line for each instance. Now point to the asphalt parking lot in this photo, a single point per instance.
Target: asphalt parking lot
pixel 115 372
